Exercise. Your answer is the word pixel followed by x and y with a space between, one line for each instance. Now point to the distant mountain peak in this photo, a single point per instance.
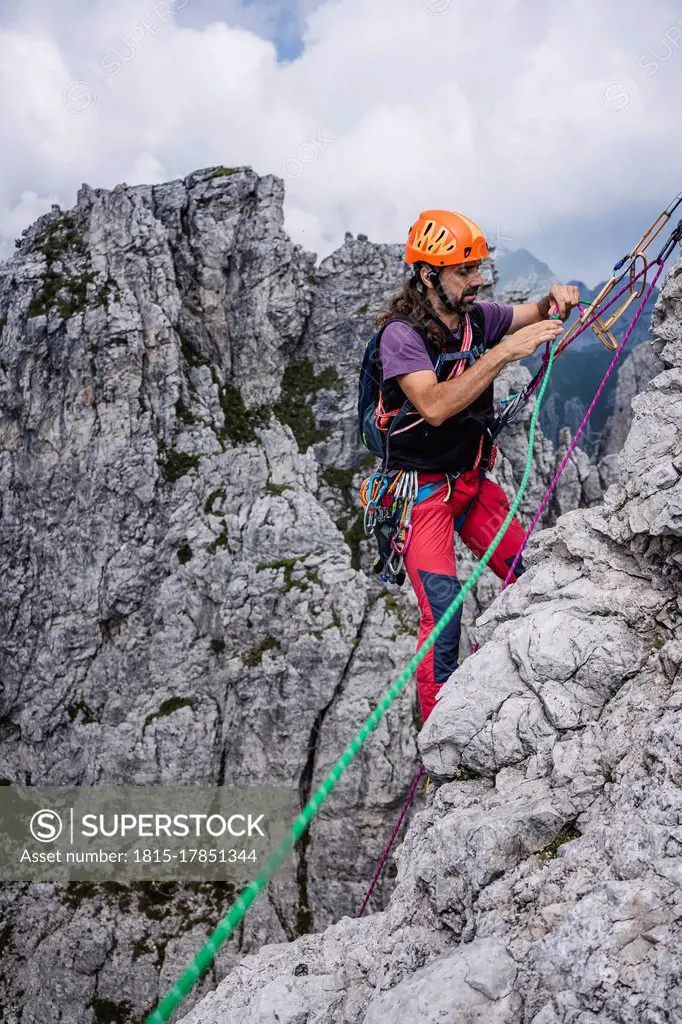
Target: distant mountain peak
pixel 522 273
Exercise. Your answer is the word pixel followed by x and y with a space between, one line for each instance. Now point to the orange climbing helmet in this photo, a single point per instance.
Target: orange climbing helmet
pixel 443 237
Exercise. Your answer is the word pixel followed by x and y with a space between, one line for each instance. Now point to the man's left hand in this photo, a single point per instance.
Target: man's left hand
pixel 565 296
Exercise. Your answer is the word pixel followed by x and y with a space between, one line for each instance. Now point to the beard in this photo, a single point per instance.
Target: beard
pixel 461 305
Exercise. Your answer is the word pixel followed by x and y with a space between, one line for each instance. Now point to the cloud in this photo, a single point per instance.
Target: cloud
pixel 532 118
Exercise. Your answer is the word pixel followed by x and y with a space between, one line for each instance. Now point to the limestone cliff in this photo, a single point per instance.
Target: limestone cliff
pixel 181 564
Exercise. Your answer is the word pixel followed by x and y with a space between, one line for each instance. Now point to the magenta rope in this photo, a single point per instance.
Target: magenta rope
pixel 384 856
pixel 582 426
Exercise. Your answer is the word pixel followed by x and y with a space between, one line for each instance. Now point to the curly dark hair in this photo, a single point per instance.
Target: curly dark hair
pixel 411 303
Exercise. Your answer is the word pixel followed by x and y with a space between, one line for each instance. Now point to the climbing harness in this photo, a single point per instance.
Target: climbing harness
pixel 226 927
pixel 389 499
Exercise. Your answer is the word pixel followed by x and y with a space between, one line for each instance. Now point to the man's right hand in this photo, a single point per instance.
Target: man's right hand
pixel 524 342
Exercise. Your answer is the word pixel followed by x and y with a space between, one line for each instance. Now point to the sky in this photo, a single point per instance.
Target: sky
pixel 555 126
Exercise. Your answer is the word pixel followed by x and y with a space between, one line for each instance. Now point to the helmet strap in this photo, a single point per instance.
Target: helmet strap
pixel 421 288
pixel 440 292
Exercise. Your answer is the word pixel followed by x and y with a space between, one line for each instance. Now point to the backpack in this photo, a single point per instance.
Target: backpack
pixel 368 397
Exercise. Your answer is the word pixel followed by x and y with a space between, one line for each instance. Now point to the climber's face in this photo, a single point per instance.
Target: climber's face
pixel 462 281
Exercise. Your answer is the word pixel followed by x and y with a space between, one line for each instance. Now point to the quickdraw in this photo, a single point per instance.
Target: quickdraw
pixel 372 491
pixel 592 313
pixel 405 497
pixel 634 288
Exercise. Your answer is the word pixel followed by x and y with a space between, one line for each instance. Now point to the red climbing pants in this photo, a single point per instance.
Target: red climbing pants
pixel 476 508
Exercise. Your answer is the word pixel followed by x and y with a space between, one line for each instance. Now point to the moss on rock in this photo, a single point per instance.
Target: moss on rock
pixel 254 656
pixel 222 172
pixel 220 542
pixel 81 707
pixel 107 1011
pixel 168 707
pixel 67 294
pixel 300 384
pixel 240 422
pixel 211 500
pixel 551 851
pixel 288 565
pixel 175 464
pixel 184 553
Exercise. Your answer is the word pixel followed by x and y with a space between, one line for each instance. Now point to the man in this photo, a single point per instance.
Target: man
pixel 446 438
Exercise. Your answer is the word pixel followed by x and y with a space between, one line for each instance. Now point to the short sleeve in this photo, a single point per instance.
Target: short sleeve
pixel 497 318
pixel 402 350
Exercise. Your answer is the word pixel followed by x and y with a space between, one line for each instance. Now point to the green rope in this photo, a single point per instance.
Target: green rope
pixel 206 954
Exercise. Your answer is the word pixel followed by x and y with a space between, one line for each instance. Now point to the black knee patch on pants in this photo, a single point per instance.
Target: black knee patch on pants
pixel 441 590
pixel 520 567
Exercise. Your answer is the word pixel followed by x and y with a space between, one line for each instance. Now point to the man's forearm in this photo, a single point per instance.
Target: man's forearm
pixel 451 396
pixel 438 401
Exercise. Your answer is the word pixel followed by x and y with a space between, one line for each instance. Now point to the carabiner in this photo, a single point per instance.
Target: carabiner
pixel 370 519
pixel 377 492
pixel 397 542
pixel 394 563
pixel 405 533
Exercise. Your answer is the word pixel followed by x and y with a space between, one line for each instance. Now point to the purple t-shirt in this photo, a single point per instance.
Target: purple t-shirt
pixel 402 350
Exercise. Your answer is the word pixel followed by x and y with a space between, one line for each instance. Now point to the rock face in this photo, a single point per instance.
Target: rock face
pixel 633 375
pixel 541 884
pixel 181 569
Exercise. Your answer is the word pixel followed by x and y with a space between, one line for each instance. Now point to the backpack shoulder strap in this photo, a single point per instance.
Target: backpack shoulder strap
pixel 407 405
